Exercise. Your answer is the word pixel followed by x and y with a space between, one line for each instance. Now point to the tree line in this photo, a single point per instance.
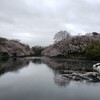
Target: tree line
pixel 88 44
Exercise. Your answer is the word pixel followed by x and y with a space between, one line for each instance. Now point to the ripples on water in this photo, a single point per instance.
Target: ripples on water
pixel 41 79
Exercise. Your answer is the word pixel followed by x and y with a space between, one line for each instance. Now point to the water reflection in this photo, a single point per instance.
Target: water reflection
pixel 12 65
pixel 36 60
pixel 41 79
pixel 64 70
pixel 69 64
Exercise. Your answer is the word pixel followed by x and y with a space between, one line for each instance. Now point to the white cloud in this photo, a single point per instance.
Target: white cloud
pixel 36 21
pixel 74 29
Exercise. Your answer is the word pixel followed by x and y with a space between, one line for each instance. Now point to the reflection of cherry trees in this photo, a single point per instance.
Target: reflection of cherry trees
pixel 11 65
pixel 66 71
pixel 67 64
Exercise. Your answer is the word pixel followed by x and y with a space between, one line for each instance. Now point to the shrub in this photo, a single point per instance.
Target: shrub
pixel 93 51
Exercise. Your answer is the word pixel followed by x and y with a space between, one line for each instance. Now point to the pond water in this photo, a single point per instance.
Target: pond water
pixel 40 79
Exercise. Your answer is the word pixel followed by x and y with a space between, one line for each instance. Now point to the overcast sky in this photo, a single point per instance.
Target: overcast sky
pixel 36 21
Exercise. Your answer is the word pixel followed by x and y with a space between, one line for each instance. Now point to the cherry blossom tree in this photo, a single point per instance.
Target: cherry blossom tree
pixel 61 35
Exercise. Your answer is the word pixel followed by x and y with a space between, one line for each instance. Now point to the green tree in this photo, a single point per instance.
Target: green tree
pixel 93 51
pixel 37 50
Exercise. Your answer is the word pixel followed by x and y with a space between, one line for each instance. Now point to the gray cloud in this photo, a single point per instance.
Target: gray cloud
pixel 36 21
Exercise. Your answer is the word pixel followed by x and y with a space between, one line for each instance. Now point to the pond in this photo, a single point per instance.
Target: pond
pixel 42 79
